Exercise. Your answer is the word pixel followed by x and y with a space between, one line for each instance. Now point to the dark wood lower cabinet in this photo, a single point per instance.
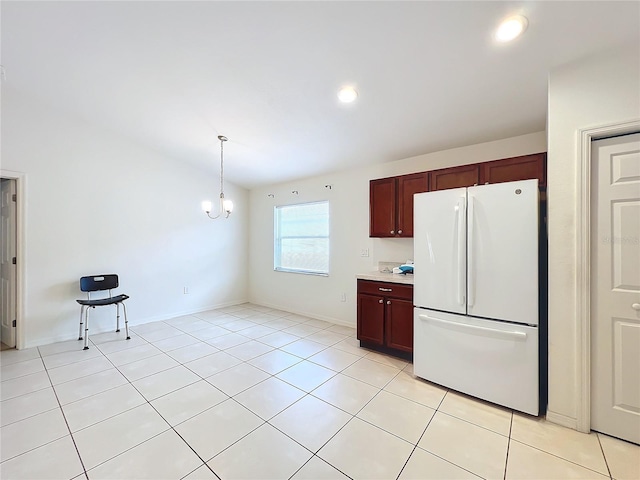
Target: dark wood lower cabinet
pixel 385 316
pixel 399 324
pixel 371 319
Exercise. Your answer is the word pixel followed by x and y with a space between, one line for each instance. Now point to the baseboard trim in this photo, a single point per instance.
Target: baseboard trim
pixel 562 420
pixel 95 330
pixel 303 313
pixel 168 316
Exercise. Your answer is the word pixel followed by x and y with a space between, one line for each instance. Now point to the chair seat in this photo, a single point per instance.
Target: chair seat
pixel 103 301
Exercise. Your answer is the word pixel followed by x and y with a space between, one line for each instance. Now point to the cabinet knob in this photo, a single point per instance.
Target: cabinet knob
pixel 635 306
pixel 399 232
pixel 388 302
pixel 380 301
pixel 392 232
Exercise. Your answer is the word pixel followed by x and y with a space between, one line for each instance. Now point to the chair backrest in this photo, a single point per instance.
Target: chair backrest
pixel 96 283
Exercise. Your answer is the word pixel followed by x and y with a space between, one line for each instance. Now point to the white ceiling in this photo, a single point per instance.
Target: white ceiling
pixel 174 75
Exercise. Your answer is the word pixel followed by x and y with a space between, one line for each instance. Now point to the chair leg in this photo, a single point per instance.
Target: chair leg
pixel 117 317
pixel 126 322
pixel 86 330
pixel 81 315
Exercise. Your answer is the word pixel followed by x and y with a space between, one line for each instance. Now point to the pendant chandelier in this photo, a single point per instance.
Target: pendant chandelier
pixel 226 206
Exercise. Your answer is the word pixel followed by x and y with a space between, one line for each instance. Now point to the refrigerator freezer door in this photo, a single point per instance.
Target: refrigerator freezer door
pixel 495 361
pixel 502 251
pixel 439 250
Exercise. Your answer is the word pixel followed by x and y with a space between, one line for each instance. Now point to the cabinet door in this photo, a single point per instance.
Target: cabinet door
pixel 408 185
pixel 399 324
pixel 382 207
pixel 517 168
pixel 371 319
pixel 456 177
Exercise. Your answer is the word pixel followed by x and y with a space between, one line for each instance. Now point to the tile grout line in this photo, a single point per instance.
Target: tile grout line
pixel 306 394
pixel 313 454
pixel 246 362
pixel 182 364
pixel 144 441
pixel 562 458
pixel 272 375
pixel 353 416
pixel 172 427
pixel 506 460
pixel 84 469
pixel 606 462
pixel 201 378
pixel 422 435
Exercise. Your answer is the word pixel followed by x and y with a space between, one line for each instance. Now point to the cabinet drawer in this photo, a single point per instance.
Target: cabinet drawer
pixel 386 289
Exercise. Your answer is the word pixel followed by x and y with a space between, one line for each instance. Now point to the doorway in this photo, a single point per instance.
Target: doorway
pixel 8 262
pixel 615 286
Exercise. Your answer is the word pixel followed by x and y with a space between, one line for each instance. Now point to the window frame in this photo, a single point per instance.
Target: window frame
pixel 277 240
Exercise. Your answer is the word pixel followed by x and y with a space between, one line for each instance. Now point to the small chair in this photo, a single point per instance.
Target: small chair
pixel 97 283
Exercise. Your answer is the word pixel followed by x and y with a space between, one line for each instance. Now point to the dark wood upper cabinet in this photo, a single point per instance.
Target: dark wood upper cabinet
pixel 391 204
pixel 382 207
pixel 454 177
pixel 391 199
pixel 408 185
pixel 516 168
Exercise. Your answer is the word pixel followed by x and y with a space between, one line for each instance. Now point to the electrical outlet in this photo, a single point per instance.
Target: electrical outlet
pixel 185 290
pixel 364 252
pixel 343 297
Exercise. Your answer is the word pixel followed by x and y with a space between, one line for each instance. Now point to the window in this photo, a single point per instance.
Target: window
pixel 301 241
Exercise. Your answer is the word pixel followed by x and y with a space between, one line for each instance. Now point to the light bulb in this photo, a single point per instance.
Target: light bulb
pixel 206 206
pixel 511 28
pixel 227 205
pixel 347 94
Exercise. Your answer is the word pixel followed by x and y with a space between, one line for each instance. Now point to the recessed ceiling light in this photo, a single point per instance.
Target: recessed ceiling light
pixel 347 94
pixel 511 28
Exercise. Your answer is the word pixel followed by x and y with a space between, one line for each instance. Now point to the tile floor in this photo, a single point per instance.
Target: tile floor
pixel 247 392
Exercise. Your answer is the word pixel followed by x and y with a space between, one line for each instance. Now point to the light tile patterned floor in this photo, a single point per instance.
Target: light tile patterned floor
pixel 247 392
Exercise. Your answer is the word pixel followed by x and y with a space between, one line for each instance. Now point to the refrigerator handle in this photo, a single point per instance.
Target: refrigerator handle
pixel 471 283
pixel 461 249
pixel 465 327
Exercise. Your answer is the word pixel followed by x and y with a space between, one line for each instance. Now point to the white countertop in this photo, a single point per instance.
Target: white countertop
pixel 387 277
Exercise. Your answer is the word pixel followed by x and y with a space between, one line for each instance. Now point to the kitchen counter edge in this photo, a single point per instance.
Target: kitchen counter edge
pixel 386 277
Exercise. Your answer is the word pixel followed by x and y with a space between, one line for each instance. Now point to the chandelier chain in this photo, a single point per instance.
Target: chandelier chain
pixel 222 140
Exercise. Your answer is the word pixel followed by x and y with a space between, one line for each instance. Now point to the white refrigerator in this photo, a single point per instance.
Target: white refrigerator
pixel 476 291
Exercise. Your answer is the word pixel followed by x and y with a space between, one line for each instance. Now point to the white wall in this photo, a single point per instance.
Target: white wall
pixel 349 203
pixel 98 203
pixel 590 93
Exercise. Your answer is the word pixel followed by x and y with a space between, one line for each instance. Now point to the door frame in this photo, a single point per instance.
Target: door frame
pixel 583 262
pixel 21 183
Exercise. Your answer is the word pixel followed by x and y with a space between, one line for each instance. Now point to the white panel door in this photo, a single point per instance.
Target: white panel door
pixel 615 293
pixel 439 250
pixel 495 361
pixel 7 268
pixel 502 258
